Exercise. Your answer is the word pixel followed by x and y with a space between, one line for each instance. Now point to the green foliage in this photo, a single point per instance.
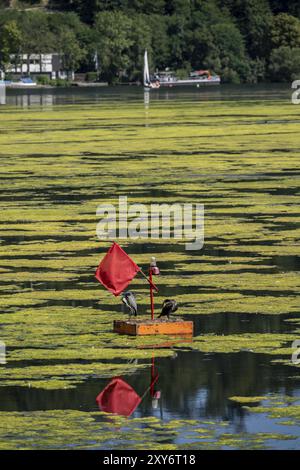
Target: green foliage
pixel 159 41
pixel 60 82
pixel 253 18
pixel 230 52
pixel 285 31
pixel 43 80
pixel 241 40
pixel 285 63
pixel 140 38
pixel 10 41
pixel 182 73
pixel 37 37
pixel 72 429
pixel 91 77
pixel 290 6
pixel 112 33
pixel 71 51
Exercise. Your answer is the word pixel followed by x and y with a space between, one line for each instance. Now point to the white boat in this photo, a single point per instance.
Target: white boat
pixel 148 84
pixel 198 78
pixel 23 83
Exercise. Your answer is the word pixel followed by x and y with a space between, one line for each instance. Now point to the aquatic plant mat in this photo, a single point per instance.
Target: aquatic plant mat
pixel 241 160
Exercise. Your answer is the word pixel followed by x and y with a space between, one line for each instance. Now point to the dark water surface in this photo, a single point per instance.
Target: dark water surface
pixel 74 95
pixel 192 385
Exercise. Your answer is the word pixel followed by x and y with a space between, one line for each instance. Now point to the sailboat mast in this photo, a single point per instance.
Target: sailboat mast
pixel 146 69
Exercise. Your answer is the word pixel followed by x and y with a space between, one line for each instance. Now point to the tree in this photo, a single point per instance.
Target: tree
pixel 72 39
pixel 240 39
pixel 37 36
pixel 232 57
pixel 10 41
pixel 285 31
pixel 177 27
pixel 199 45
pixel 159 41
pixel 283 6
pixel 113 40
pixel 285 64
pixel 178 7
pixel 144 6
pixel 199 37
pixel 140 37
pixel 254 19
pixel 71 52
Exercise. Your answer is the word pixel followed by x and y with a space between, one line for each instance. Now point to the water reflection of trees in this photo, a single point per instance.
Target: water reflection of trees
pixel 218 377
pixel 231 323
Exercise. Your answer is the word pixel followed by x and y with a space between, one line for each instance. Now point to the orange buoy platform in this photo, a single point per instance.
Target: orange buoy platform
pixel 154 327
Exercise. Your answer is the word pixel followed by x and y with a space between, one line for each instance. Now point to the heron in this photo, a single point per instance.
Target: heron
pixel 169 306
pixel 128 299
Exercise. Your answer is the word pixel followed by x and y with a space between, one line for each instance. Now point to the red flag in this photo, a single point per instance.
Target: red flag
pixel 116 270
pixel 118 397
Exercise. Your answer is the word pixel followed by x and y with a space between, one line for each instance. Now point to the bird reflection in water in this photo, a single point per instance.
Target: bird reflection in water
pixel 118 397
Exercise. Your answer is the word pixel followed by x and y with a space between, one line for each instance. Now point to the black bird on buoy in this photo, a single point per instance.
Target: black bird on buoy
pixel 168 307
pixel 128 299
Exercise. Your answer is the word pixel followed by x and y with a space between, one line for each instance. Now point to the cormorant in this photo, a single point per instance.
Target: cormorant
pixel 168 307
pixel 128 299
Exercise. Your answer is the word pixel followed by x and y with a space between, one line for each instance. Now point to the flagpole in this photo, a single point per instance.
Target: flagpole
pixel 151 294
pixel 153 382
pixel 152 376
pixel 149 280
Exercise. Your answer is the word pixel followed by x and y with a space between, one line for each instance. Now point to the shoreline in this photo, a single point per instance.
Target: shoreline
pixel 17 86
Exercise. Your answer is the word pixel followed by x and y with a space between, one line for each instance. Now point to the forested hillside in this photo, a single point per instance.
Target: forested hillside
pixel 242 40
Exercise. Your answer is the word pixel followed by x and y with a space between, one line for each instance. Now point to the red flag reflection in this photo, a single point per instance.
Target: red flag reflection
pixel 118 397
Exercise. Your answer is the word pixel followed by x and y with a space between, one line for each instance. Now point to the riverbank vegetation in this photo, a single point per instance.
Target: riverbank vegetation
pixel 243 41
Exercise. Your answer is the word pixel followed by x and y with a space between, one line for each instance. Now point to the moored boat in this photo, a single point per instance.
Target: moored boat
pixel 196 78
pixel 148 83
pixel 22 83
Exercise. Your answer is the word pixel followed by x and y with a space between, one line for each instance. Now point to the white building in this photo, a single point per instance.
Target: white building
pixel 39 64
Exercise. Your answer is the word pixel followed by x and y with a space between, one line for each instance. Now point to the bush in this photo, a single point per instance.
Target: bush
pixel 91 77
pixel 230 76
pixel 182 73
pixel 43 80
pixel 9 77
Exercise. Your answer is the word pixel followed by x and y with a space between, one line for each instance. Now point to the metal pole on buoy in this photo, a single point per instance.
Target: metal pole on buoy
pixel 151 295
pixel 153 270
pixel 152 376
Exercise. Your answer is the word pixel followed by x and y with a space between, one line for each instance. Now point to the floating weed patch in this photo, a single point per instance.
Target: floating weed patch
pixel 88 355
pixel 62 374
pixel 68 429
pixel 247 400
pixel 69 341
pixel 284 409
pixel 267 343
